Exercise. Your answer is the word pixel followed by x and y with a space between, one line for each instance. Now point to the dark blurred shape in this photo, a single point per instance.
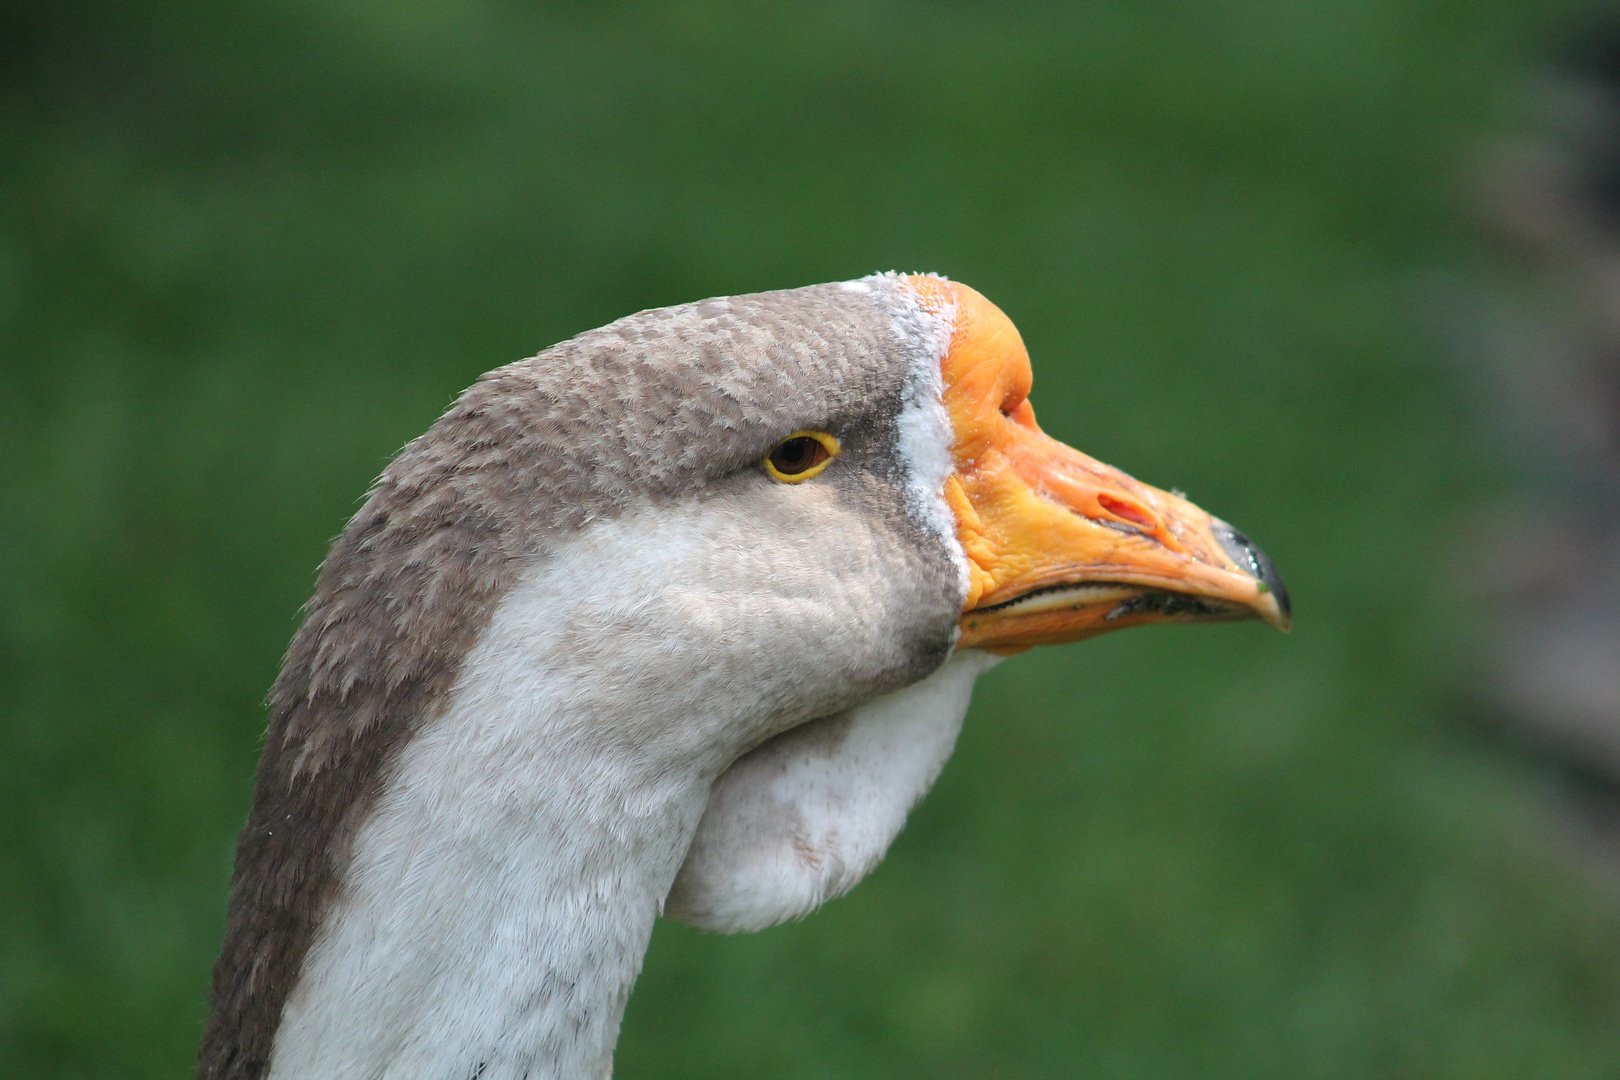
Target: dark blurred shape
pixel 1548 391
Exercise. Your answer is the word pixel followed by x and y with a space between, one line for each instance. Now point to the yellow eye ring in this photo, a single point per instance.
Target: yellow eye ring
pixel 800 456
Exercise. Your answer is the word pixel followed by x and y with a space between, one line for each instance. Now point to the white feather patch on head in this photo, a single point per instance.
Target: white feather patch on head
pixel 926 436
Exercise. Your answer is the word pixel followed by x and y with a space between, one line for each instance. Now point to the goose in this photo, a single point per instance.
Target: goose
pixel 678 617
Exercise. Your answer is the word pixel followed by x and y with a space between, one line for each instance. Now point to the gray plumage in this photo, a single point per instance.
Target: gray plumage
pixel 661 406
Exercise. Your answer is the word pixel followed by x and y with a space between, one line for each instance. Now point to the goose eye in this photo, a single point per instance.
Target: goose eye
pixel 800 456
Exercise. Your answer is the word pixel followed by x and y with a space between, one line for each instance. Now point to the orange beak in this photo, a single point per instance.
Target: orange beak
pixel 1060 546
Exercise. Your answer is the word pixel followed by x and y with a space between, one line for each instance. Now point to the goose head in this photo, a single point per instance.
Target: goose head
pixel 680 616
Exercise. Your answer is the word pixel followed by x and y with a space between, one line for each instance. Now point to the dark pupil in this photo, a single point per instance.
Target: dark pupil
pixel 796 455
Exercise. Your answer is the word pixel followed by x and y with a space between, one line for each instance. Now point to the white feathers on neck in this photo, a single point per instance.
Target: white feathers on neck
pixel 803 818
pixel 501 894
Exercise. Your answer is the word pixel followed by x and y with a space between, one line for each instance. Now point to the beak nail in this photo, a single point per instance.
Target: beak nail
pixel 1249 556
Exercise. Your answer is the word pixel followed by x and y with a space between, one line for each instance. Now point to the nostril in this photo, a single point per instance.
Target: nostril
pixel 1127 511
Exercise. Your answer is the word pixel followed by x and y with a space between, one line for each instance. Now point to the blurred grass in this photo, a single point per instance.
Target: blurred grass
pixel 247 253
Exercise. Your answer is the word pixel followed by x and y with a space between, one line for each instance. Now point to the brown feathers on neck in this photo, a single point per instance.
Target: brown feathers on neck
pixel 402 596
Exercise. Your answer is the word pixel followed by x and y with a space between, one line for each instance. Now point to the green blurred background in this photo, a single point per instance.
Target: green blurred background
pixel 246 252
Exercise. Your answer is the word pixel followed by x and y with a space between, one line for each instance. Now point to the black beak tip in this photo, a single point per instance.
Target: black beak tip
pixel 1247 554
